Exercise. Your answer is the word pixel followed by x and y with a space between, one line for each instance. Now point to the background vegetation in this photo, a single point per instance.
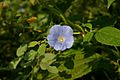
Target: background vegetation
pixel 26 55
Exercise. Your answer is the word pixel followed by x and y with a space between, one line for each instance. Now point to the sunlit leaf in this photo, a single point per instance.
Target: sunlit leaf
pixel 32 2
pixel 108 36
pixel 62 68
pixel 118 69
pixel 21 50
pixel 44 64
pixel 30 55
pixel 20 19
pixel 41 50
pixel 47 60
pixel 36 69
pixel 89 25
pixel 110 2
pixel 80 64
pixel 53 76
pixel 49 56
pixel 88 37
pixel 33 43
pixel 13 64
pixel 39 76
pixel 52 69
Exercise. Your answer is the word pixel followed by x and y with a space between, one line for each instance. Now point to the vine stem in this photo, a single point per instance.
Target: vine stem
pixel 63 18
pixel 76 33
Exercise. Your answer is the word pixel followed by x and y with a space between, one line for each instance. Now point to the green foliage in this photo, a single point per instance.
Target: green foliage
pixel 30 55
pixel 13 64
pixel 108 36
pixel 26 55
pixel 47 61
pixel 110 2
pixel 88 37
pixel 21 50
pixel 88 25
pixel 33 43
pixel 80 64
pixel 52 69
pixel 41 50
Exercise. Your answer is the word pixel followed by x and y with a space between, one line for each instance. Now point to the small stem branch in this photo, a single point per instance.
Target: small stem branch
pixel 76 33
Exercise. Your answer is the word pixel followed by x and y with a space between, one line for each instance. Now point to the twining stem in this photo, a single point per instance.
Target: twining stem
pixel 75 26
pixel 63 18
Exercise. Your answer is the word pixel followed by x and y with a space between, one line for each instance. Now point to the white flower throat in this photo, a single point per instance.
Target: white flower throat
pixel 61 39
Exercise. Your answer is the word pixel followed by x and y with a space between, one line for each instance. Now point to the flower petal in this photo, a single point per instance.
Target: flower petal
pixel 55 29
pixel 52 40
pixel 64 47
pixel 69 41
pixel 58 46
pixel 67 30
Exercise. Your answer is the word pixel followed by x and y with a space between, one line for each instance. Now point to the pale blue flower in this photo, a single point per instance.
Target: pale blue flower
pixel 60 37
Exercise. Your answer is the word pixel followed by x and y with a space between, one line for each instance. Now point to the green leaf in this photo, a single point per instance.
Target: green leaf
pixel 80 64
pixel 54 77
pixel 52 69
pixel 88 37
pixel 108 36
pixel 44 65
pixel 61 68
pixel 89 25
pixel 21 50
pixel 43 19
pixel 110 2
pixel 49 56
pixel 20 19
pixel 39 76
pixel 30 55
pixel 118 70
pixel 32 2
pixel 35 69
pixel 47 60
pixel 13 64
pixel 33 43
pixel 25 64
pixel 41 50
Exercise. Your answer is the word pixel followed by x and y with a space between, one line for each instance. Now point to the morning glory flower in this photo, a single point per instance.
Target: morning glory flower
pixel 60 37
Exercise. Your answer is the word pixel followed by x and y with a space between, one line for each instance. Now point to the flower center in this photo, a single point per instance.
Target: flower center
pixel 61 39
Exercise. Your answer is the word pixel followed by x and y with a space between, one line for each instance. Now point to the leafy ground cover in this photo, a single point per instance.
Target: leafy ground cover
pixel 87 49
